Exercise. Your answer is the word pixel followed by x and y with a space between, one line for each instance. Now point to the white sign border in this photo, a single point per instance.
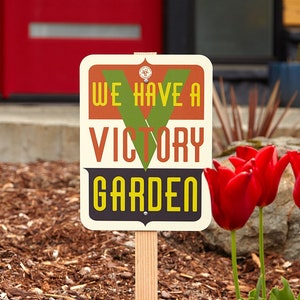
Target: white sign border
pixel 98 59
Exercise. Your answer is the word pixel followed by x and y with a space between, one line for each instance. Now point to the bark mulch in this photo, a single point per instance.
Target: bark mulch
pixel 46 253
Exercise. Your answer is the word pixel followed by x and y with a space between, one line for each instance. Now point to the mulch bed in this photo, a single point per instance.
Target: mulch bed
pixel 46 253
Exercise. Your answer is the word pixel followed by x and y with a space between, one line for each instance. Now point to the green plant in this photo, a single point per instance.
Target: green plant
pixel 261 114
pixel 234 193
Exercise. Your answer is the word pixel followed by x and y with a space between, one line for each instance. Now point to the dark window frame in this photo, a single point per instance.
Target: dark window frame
pixel 179 32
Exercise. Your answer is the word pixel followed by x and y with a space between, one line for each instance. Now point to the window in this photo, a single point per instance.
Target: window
pixel 231 31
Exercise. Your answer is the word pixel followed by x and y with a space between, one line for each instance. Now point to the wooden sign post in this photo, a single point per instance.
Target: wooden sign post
pixel 146 270
pixel 145 138
pixel 146 251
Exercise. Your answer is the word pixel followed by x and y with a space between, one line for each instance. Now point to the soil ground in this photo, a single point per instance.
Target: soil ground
pixel 46 253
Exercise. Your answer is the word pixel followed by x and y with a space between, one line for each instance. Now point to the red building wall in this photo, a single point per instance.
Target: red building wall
pixel 47 64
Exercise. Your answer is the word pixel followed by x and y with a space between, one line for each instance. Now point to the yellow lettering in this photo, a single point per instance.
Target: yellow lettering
pixel 138 94
pixel 164 95
pixel 151 94
pixel 99 196
pixel 176 93
pixel 115 94
pixel 158 196
pixel 118 193
pixel 170 194
pixel 99 93
pixel 137 192
pixel 190 183
pixel 195 94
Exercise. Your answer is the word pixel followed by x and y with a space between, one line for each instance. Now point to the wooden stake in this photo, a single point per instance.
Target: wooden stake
pixel 146 274
pixel 146 249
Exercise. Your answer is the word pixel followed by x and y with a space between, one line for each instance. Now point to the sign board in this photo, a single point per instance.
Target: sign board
pixel 145 138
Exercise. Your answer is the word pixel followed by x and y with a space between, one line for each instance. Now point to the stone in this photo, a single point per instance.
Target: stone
pixel 281 218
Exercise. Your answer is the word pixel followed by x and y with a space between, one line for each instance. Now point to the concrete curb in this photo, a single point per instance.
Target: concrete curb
pixel 51 131
pixel 32 132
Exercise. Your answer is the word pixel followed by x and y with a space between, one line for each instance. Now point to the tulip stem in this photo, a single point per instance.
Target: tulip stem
pixel 234 265
pixel 261 253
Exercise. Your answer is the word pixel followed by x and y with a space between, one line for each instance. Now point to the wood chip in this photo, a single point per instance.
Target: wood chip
pixel 186 269
pixel 25 269
pixel 186 276
pixel 59 296
pixel 256 259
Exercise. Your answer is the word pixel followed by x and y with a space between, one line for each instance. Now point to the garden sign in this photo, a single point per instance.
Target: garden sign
pixel 145 138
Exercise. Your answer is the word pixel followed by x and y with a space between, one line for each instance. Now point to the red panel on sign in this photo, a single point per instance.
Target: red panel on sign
pixel 100 99
pixel 45 40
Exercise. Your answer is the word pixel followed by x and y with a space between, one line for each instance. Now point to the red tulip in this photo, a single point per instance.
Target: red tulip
pixel 266 167
pixel 233 196
pixel 244 159
pixel 295 162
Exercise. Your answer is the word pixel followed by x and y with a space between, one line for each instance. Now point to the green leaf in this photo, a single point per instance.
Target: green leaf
pixel 282 294
pixel 158 116
pixel 298 297
pixel 254 294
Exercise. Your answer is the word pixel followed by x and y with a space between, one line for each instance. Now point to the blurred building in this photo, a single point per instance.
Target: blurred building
pixel 43 41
